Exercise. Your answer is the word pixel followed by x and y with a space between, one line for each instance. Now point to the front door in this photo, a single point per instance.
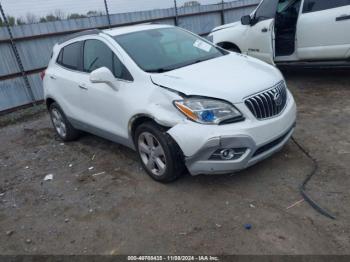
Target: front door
pixel 260 36
pixel 104 106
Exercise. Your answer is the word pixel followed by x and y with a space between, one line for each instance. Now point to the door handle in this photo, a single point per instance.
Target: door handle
pixel 264 30
pixel 82 86
pixel 53 77
pixel 343 17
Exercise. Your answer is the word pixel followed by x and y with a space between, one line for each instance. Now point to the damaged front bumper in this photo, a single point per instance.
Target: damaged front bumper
pixel 252 140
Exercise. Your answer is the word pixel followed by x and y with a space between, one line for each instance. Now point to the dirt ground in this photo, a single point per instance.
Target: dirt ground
pixel 123 211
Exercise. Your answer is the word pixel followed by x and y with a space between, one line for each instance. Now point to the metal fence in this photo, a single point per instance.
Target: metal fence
pixel 25 48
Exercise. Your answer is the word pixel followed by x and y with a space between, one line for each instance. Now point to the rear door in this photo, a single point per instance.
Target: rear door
pixel 260 35
pixel 323 30
pixel 64 79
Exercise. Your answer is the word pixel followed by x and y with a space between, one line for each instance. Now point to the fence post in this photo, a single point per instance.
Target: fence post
pixel 107 13
pixel 222 12
pixel 18 58
pixel 176 13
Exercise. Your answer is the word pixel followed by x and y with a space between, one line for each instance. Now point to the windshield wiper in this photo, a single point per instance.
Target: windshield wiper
pixel 158 70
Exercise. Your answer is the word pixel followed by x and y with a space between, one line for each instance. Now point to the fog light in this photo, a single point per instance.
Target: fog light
pixel 227 154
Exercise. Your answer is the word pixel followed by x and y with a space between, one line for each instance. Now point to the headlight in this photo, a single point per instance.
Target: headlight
pixel 208 111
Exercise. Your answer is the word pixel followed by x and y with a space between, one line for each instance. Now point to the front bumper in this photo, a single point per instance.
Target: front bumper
pixel 260 139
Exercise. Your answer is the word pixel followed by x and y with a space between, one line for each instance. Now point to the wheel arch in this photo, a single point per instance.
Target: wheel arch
pixel 229 46
pixel 49 101
pixel 139 119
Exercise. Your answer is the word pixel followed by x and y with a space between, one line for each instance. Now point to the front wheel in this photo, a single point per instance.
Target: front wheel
pixel 160 156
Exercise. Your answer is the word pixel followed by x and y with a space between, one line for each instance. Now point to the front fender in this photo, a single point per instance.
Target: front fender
pixel 234 35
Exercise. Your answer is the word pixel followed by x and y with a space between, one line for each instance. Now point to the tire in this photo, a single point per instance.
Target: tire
pixel 159 154
pixel 62 126
pixel 230 47
pixel 234 49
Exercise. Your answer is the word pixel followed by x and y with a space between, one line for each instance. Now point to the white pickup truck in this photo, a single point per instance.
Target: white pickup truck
pixel 289 31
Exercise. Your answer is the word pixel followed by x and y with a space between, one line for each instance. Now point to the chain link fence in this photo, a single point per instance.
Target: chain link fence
pixel 30 28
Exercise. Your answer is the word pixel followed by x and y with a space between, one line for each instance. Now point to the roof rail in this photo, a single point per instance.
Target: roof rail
pixel 82 33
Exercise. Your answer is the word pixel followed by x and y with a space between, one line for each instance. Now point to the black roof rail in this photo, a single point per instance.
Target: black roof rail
pixel 82 33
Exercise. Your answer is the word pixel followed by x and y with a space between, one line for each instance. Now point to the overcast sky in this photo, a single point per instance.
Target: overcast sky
pixel 42 7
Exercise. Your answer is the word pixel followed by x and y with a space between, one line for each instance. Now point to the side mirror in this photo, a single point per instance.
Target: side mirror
pixel 104 75
pixel 246 20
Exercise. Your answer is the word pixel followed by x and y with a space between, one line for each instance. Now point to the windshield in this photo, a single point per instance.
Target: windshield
pixel 165 49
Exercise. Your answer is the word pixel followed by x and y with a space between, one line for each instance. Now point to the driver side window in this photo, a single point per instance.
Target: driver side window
pixel 266 10
pixel 97 54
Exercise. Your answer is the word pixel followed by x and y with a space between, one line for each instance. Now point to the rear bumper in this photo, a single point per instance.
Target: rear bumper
pixel 259 139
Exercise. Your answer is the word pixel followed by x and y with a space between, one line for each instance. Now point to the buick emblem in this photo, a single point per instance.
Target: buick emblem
pixel 277 98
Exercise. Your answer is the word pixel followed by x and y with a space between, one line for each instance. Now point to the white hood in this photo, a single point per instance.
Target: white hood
pixel 231 77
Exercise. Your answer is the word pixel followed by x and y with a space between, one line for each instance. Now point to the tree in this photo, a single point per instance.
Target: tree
pixel 60 15
pixel 51 18
pixel 192 3
pixel 20 21
pixel 94 13
pixel 31 18
pixel 76 16
pixel 11 20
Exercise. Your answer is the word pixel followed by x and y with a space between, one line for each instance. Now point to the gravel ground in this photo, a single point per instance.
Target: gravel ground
pixel 115 208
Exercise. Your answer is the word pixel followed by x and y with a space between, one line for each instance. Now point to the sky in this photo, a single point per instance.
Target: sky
pixel 20 8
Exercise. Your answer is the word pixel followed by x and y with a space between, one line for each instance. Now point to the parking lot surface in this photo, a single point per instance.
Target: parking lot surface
pixel 100 201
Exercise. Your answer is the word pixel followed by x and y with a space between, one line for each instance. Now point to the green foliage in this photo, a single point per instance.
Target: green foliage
pixel 192 3
pixel 76 16
pixel 11 20
pixel 94 13
pixel 51 18
pixel 20 21
pixel 56 16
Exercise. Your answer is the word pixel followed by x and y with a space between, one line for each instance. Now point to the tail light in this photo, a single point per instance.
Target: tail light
pixel 42 75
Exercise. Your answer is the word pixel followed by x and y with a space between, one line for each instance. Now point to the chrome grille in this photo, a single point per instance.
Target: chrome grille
pixel 268 103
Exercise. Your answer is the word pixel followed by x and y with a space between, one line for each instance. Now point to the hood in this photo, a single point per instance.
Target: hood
pixel 231 77
pixel 225 26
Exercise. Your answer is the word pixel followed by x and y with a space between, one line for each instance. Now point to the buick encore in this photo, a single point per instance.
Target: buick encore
pixel 178 100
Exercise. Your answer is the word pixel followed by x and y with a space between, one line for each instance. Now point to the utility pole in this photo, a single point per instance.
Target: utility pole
pixel 107 12
pixel 18 58
pixel 222 12
pixel 176 14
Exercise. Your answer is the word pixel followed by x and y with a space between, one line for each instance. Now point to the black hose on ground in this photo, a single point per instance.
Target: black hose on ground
pixel 302 187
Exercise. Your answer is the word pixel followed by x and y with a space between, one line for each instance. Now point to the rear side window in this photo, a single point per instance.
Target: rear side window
pixel 97 54
pixel 70 55
pixel 319 5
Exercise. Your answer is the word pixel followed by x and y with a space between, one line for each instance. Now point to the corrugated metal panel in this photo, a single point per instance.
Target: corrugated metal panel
pixel 8 63
pixel 13 94
pixel 200 24
pixel 236 14
pixel 35 53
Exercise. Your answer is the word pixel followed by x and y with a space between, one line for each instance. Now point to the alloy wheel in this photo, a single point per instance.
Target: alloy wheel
pixel 152 153
pixel 58 122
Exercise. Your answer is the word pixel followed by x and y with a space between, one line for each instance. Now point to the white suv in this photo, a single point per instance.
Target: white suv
pixel 292 31
pixel 176 98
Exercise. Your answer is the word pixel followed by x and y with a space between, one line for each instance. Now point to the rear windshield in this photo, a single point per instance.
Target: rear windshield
pixel 165 49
